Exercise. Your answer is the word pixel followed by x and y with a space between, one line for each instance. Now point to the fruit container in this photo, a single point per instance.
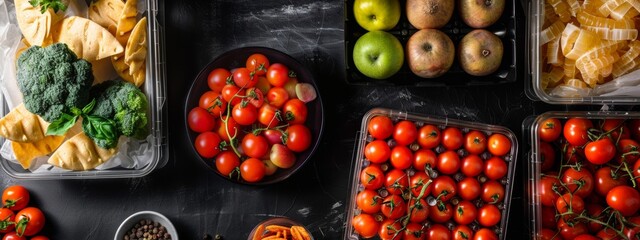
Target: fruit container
pixel 507 157
pixel 621 91
pixel 540 213
pixel 154 153
pixel 282 221
pixel 509 28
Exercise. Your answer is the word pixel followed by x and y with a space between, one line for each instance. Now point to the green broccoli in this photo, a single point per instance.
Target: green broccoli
pixel 125 104
pixel 53 80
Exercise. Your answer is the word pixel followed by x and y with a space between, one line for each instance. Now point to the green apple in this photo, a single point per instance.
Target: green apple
pixel 374 15
pixel 378 54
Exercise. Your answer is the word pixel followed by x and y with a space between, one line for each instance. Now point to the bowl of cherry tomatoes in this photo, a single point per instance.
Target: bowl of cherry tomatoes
pixel 584 175
pixel 254 116
pixel 426 177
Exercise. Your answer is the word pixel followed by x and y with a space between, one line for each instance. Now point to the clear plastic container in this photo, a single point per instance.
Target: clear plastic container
pixel 360 162
pixel 280 221
pixel 155 89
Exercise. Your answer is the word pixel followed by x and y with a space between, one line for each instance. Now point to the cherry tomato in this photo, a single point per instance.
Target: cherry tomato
pixel 441 212
pixel 418 181
pixel 244 115
pixel 295 111
pixel 15 197
pixel 299 138
pixel 634 128
pixel 369 201
pixel 255 97
pixel 29 221
pixel 268 115
pixel 396 181
pixel 462 232
pixel 372 177
pixel 499 145
pixel 568 231
pixel 252 170
pixel 636 173
pixel 365 225
pixel 6 220
pixel 573 154
pixel 258 63
pixel 390 229
pixel 548 218
pixel 633 231
pixel 401 157
pixel 489 215
pixel 580 182
pixel 244 78
pixel 595 211
pixel 628 151
pixel 547 234
pixel 550 129
pixel 547 195
pixel 438 232
pixel 278 74
pixel 469 188
pixel 624 199
pixel 277 96
pixel 405 132
pixel 377 151
pixel 227 162
pixel 616 128
pixel 13 236
pixel 452 138
pixel 465 213
pixel 393 207
pixel 208 144
pixel 607 178
pixel 255 146
pixel 493 192
pixel 273 136
pixel 475 142
pixel 414 231
pixel 218 79
pixel 444 188
pixel 569 203
pixel 200 120
pixel 429 136
pixel 225 130
pixel 586 237
pixel 575 131
pixel 233 94
pixel 424 158
pixel 213 103
pixel 547 155
pixel 380 127
pixel 606 234
pixel 600 151
pixel 419 210
pixel 448 162
pixel 495 168
pixel 485 234
pixel 472 165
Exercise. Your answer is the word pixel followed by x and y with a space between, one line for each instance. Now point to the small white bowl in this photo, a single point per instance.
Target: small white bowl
pixel 131 221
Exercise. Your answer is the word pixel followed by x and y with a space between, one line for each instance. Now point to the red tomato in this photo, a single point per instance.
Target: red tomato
pixel 268 115
pixel 600 151
pixel 414 231
pixel 452 138
pixel 472 165
pixel 295 111
pixel 208 144
pixel 13 236
pixel 419 210
pixel 636 173
pixel 462 232
pixel 424 158
pixel 278 75
pixel 586 237
pixel 616 128
pixel 6 220
pixel 233 94
pixel 380 127
pixel 495 168
pixel 393 207
pixel 365 225
pixel 547 155
pixel 607 234
pixel 299 138
pixel 396 181
pixel 213 103
pixel 377 151
pixel 29 221
pixel 429 136
pixel 405 132
pixel 465 213
pixel 228 129
pixel 217 79
pixel 441 212
pixel 569 203
pixel 369 201
pixel 624 199
pixel 200 120
pixel 444 188
pixel 401 157
pixel 547 195
pixel 252 170
pixel 277 96
pixel 15 197
pixel 499 144
pixel 372 177
pixel 489 215
pixel 390 229
pixel 575 131
pixel 448 162
pixel 572 154
pixel 548 217
pixel 418 181
pixel 493 192
pixel 571 231
pixel 438 232
pixel 628 151
pixel 255 146
pixel 485 234
pixel 633 231
pixel 550 129
pixel 244 78
pixel 227 162
pixel 634 128
pixel 594 211
pixel 580 182
pixel 244 115
pixel 273 136
pixel 547 234
pixel 257 63
pixel 607 178
pixel 255 97
pixel 469 188
pixel 475 142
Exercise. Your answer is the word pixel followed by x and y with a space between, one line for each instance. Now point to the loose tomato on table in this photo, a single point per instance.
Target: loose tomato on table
pixel 15 197
pixel 29 221
pixel 550 129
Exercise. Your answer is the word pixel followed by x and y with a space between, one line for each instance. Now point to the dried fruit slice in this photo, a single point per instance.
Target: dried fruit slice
pixel 614 34
pixel 569 68
pixel 561 8
pixel 620 11
pixel 552 32
pixel 554 55
pixel 585 41
pixel 550 15
pixel 609 6
pixel 592 5
pixel 574 7
pixel 587 19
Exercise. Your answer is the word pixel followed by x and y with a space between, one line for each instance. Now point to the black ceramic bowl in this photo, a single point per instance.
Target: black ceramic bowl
pixel 237 58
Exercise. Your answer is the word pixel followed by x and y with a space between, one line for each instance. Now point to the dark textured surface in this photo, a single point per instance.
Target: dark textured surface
pixel 199 202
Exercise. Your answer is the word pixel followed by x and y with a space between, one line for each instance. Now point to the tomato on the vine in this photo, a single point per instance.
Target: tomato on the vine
pixel 208 144
pixel 199 120
pixel 444 188
pixel 469 188
pixel 295 111
pixel 414 231
pixel 393 207
pixel 365 225
pixel 628 151
pixel 634 128
pixel 377 151
pixel 218 79
pixel 429 136
pixel 230 128
pixel 396 181
pixel 380 127
pixel 417 182
pixel 227 162
pixel 245 78
pixel 579 182
pixel 369 201
pixel 472 165
pixel 13 236
pixel 499 144
pixel 213 103
pixel 278 74
pixel 232 94
pixel 244 114
pixel 550 129
pixel 268 115
pixel 448 162
pixel 273 136
pixel 299 138
pixel 465 213
pixel 6 220
pixel 606 178
pixel 401 157
pixel 569 203
pixel 547 189
pixel 277 96
pixel 252 170
pixel 255 146
pixel 462 232
pixel 15 197
pixel 405 132
pixel 547 155
pixel 575 131
pixel 617 128
pixel 571 231
pixel 452 138
pixel 438 231
pixel 391 230
pixel 548 217
pixel 258 63
pixel 624 199
pixel 489 215
pixel 424 158
pixel 255 97
pixel 441 212
pixel 29 221
pixel 419 210
pixel 475 142
pixel 372 177
pixel 485 234
pixel 493 192
pixel 600 151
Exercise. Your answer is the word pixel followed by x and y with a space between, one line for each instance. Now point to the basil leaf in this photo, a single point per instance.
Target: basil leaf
pixel 87 109
pixel 76 111
pixel 56 5
pixel 61 125
pixel 100 128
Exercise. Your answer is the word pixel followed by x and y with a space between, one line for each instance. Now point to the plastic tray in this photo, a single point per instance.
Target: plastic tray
pixel 509 28
pixel 155 89
pixel 363 138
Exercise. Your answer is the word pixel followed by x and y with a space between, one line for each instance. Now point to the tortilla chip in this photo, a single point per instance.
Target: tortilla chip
pixel 20 125
pixel 80 153
pixel 106 13
pixel 34 25
pixel 27 151
pixel 86 38
pixel 127 21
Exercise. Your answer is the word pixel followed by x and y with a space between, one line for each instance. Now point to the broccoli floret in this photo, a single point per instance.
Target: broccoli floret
pixel 125 104
pixel 53 80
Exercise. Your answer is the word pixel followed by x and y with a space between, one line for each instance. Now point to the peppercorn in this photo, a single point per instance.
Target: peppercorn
pixel 146 229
